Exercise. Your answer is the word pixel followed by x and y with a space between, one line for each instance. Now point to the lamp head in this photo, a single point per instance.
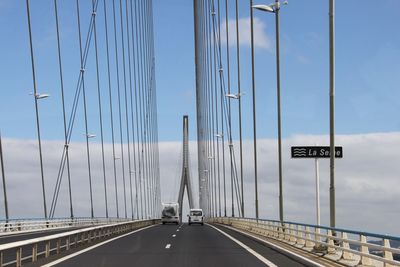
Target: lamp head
pixel 264 8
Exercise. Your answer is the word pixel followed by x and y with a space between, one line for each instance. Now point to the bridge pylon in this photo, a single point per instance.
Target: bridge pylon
pixel 185 179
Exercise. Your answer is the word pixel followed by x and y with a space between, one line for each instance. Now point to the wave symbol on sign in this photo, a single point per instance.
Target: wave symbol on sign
pixel 300 152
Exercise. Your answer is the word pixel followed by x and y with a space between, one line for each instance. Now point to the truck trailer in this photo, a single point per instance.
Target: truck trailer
pixel 170 213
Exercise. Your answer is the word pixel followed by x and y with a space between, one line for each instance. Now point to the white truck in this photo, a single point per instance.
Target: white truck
pixel 170 213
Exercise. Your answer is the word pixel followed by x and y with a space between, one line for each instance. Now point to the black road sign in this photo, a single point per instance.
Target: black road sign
pixel 315 152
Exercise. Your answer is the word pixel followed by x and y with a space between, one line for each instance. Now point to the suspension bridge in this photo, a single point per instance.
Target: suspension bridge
pixel 101 201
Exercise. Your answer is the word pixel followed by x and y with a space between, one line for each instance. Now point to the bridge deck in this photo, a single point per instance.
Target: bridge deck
pixel 191 246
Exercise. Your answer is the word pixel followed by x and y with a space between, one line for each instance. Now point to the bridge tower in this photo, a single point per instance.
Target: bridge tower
pixel 185 179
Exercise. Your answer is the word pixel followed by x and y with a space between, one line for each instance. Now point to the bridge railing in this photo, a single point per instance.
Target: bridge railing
pixel 19 225
pixel 340 245
pixel 31 250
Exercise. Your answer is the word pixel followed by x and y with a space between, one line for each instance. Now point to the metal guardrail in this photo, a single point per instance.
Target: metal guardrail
pixel 19 225
pixel 340 245
pixel 19 252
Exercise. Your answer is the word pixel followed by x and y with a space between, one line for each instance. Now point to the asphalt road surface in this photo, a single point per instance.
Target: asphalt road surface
pixel 184 245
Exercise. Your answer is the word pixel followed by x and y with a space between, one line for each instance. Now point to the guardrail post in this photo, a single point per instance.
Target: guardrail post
pixel 281 232
pixel 292 234
pixel 264 228
pixel 285 231
pixel 364 249
pixel 330 242
pixel 256 228
pixel 18 262
pixel 309 243
pixel 47 251
pixel 274 230
pixel 387 254
pixel 317 236
pixel 249 225
pixel 346 255
pixel 58 245
pixel 300 240
pixel 67 242
pixel 34 252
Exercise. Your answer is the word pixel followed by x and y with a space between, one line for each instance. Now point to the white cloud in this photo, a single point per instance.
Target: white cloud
pixel 366 179
pixel 261 39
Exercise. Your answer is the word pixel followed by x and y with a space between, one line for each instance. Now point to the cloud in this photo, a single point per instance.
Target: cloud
pixel 261 39
pixel 366 179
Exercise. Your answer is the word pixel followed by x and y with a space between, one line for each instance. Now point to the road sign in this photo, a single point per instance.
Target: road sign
pixel 315 152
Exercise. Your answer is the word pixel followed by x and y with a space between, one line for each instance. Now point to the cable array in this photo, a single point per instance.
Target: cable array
pixel 214 118
pixel 127 79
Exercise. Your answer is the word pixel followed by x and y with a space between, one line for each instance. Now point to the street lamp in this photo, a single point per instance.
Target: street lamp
pixel 274 8
pixel 234 96
pixel 89 135
pixel 41 96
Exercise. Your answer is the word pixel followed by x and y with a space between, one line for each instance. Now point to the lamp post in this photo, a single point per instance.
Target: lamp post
pixel 238 96
pixel 274 8
pixel 4 182
pixel 213 186
pixel 207 191
pixel 332 112
pixel 90 136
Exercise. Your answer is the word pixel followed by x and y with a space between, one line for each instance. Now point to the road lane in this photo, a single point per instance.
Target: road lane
pixel 269 253
pixel 171 245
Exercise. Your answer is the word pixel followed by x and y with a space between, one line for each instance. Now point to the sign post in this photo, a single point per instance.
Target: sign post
pixel 316 152
pixel 317 191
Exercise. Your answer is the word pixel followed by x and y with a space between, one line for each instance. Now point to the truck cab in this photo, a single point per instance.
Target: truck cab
pixel 196 216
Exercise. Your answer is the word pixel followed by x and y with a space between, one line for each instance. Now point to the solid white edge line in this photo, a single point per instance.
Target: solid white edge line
pixel 93 247
pixel 275 246
pixel 251 251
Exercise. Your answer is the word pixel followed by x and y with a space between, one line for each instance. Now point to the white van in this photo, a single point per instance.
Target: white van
pixel 196 216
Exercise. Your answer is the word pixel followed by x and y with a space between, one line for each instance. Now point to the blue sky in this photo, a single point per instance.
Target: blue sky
pixel 367 77
pixel 367 96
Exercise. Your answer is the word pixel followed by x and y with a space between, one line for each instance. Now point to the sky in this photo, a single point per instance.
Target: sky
pixel 367 96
